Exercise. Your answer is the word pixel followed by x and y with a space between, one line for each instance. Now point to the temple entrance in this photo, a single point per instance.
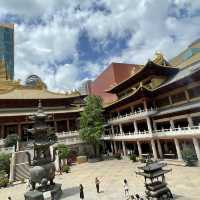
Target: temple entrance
pixel 146 148
pixel 132 148
pixel 168 149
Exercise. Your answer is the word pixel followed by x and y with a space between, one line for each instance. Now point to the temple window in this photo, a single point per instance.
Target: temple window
pixel 194 92
pixel 114 114
pixel 181 123
pixel 163 125
pixel 178 97
pixel 125 111
pixel 162 102
pixel 196 121
pixel 128 127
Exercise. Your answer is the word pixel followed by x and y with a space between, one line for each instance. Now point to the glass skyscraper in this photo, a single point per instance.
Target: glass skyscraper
pixel 7 47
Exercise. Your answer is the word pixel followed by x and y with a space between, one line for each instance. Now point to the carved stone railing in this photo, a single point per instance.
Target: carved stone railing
pixel 173 132
pixel 180 131
pixel 67 134
pixel 2 142
pixel 132 116
pixel 69 138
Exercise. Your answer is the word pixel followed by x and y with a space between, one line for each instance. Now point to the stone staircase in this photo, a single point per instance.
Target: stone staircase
pixel 22 168
pixel 22 171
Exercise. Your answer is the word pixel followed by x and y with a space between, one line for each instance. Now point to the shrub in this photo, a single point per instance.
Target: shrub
pixel 142 160
pixel 118 156
pixel 133 157
pixel 11 140
pixel 5 162
pixel 189 156
pixel 4 182
pixel 3 179
pixel 66 168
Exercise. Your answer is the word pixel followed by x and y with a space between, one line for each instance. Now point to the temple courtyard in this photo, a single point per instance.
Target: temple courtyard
pixel 183 181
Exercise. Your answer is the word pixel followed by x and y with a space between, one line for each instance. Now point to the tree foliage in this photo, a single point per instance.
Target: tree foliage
pixel 52 137
pixel 5 162
pixel 91 122
pixel 189 156
pixel 11 140
pixel 63 151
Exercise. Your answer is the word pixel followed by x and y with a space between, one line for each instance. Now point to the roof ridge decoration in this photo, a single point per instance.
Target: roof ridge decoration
pixel 159 59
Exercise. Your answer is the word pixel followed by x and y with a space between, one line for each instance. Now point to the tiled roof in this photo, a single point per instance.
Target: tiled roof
pixel 30 93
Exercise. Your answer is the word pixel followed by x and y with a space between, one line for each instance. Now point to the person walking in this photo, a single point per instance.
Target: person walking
pixel 97 183
pixel 126 190
pixel 81 192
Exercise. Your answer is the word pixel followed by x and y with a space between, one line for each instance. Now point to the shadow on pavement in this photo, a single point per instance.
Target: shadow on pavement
pixel 69 192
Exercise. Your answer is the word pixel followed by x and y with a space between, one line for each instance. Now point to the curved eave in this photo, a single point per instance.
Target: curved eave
pixel 183 77
pixel 150 68
pixel 141 92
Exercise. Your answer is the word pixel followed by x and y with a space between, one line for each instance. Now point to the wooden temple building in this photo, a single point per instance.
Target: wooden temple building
pixel 157 111
pixel 18 101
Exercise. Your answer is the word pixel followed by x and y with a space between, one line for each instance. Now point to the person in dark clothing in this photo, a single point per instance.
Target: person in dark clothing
pixel 97 183
pixel 81 192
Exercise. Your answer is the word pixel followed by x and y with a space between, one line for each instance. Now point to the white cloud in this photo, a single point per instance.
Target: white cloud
pixel 45 48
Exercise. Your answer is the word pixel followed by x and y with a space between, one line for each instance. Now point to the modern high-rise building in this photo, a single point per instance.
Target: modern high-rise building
pixel 7 48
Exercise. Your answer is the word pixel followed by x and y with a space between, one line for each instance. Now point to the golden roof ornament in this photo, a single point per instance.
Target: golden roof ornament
pixel 160 59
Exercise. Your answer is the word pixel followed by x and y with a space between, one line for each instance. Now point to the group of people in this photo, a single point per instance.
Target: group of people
pixel 126 190
pixel 97 183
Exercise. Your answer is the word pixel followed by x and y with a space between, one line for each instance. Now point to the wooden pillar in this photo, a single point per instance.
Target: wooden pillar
pixel 178 150
pixel 149 125
pixel 159 149
pixel 19 131
pixel 153 146
pixel 68 125
pixel 2 131
pixel 55 126
pixel 197 148
pixel 145 104
pixel 139 149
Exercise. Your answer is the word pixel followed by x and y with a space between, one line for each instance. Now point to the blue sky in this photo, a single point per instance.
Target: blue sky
pixel 67 42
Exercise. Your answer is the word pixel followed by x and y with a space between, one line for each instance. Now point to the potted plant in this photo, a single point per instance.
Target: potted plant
pixel 133 157
pixel 66 168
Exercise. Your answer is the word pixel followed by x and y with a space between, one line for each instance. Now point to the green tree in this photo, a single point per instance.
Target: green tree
pixel 52 137
pixel 11 140
pixel 189 156
pixel 91 122
pixel 63 152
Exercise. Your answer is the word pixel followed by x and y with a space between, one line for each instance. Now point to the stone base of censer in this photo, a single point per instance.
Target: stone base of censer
pixel 40 193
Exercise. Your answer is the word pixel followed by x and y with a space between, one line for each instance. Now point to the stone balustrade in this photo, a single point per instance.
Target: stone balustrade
pixel 173 132
pixel 67 134
pixel 69 138
pixel 2 142
pixel 132 116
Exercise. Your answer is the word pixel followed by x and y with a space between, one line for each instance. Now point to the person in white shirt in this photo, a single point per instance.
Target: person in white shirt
pixel 126 190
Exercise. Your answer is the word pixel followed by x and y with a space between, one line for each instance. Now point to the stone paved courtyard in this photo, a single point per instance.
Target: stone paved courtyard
pixel 183 181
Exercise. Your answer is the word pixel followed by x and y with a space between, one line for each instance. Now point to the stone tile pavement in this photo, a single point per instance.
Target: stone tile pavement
pixel 184 182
